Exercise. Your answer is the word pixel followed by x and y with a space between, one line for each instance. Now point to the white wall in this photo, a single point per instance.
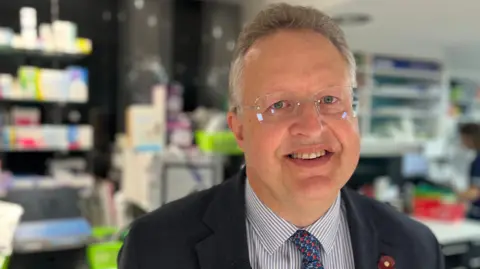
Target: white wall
pixel 404 48
pixel 251 8
pixel 464 58
pixel 458 58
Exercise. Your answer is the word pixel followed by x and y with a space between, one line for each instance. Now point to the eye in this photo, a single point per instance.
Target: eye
pixel 279 105
pixel 329 99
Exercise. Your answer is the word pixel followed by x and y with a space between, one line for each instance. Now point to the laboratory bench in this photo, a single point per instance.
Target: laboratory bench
pixel 460 242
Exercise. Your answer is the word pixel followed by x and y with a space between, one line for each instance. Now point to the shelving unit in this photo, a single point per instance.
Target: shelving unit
pixel 38 54
pixel 44 164
pixel 54 110
pixel 464 97
pixel 13 52
pixel 402 102
pixel 50 198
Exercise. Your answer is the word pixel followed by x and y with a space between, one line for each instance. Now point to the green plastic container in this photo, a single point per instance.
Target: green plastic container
pixel 218 142
pixel 430 192
pixel 103 255
pixel 4 262
pixel 103 232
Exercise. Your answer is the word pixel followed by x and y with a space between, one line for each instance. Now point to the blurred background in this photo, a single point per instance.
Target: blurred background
pixel 112 108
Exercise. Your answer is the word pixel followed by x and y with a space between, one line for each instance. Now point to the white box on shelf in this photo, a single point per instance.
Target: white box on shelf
pixel 47 42
pixel 29 38
pixel 10 215
pixel 17 42
pixel 76 84
pixel 28 17
pixel 28 138
pixel 146 127
pixel 25 116
pixel 55 137
pixel 28 27
pixel 16 92
pixel 51 85
pixel 136 180
pixel 85 136
pixel 6 36
pixel 65 36
pixel 6 85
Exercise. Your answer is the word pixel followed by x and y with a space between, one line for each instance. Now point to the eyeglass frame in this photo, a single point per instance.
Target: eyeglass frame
pixel 239 108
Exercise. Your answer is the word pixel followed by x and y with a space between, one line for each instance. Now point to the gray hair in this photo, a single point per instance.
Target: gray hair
pixel 284 16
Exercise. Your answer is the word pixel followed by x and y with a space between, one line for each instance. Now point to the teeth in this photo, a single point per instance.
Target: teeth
pixel 308 156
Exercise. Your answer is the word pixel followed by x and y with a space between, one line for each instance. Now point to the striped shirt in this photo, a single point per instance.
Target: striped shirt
pixel 268 237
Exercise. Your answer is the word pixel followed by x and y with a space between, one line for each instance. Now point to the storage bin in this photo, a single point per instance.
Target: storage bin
pixel 218 142
pixel 103 255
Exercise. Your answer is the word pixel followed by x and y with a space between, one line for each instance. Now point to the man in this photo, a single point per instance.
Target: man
pixel 470 137
pixel 292 113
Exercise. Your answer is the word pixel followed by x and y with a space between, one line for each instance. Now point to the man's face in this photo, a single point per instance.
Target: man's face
pixel 467 141
pixel 279 70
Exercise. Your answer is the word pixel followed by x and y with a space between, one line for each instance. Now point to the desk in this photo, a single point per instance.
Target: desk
pixel 456 232
pixel 459 241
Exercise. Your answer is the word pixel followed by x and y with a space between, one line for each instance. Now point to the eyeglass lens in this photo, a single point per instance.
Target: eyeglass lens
pixel 335 103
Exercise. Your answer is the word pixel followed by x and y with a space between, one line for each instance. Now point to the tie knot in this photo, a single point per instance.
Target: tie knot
pixel 309 247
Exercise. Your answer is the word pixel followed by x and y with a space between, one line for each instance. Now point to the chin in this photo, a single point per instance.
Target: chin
pixel 317 187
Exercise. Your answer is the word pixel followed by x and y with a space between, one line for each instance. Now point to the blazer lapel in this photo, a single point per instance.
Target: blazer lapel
pixel 226 246
pixel 368 246
pixel 363 235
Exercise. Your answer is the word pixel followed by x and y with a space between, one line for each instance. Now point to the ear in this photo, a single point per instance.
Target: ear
pixel 236 125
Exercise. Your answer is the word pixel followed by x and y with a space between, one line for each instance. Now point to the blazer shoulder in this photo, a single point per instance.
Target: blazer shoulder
pixel 412 240
pixel 182 213
pixel 159 236
pixel 390 222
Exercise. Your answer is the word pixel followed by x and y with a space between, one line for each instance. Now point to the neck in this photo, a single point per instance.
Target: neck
pixel 297 211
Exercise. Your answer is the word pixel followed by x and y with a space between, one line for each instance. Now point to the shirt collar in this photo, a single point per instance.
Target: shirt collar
pixel 273 231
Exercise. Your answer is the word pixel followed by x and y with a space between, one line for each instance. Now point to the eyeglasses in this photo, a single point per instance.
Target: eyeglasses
pixel 331 103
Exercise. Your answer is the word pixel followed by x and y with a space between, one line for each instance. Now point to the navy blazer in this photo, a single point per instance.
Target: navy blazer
pixel 207 230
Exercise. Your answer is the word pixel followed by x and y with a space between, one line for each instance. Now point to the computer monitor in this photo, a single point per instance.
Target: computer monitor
pixel 46 203
pixel 52 233
pixel 414 165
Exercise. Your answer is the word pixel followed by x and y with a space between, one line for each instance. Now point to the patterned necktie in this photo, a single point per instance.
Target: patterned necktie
pixel 309 246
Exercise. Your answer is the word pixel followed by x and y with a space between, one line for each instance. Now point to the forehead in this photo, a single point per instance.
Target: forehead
pixel 292 61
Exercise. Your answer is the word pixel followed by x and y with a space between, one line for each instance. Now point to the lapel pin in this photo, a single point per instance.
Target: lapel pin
pixel 386 262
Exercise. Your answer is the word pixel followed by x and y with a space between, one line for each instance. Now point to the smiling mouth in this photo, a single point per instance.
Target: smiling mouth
pixel 309 156
pixel 310 160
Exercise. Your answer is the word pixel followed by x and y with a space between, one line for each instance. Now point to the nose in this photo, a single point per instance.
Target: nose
pixel 309 121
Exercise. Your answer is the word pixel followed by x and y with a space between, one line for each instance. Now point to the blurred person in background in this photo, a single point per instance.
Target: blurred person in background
pixel 470 136
pixel 291 111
